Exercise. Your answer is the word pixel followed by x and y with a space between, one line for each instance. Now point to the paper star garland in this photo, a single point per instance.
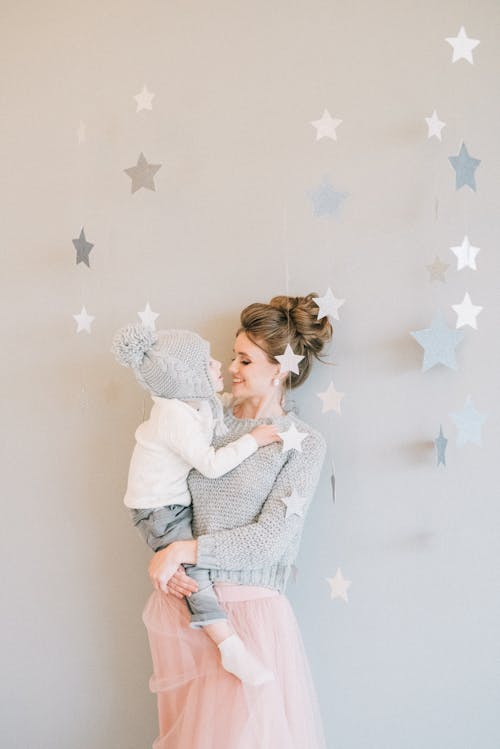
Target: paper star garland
pixel 326 126
pixel 326 200
pixel 464 166
pixel 441 443
pixel 338 585
pixel 468 422
pixel 466 312
pixel 148 317
pixel 437 270
pixel 331 399
pixel 328 305
pixel 80 133
pixel 439 342
pixel 142 174
pixel 462 46
pixel 292 439
pixel 434 125
pixel 289 362
pixel 294 504
pixel 466 254
pixel 84 321
pixel 144 99
pixel 82 248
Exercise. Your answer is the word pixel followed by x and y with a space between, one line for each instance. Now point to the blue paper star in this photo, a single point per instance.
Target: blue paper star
pixel 441 443
pixel 439 342
pixel 464 166
pixel 469 422
pixel 326 200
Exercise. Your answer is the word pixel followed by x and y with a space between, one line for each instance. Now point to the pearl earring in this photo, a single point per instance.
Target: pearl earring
pixel 276 382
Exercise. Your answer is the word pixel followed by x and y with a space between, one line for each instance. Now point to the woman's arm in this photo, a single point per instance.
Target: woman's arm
pixel 264 541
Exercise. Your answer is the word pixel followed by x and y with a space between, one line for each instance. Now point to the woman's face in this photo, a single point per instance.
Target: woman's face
pixel 252 372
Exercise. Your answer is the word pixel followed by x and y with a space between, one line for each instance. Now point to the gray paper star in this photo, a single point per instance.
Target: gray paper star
pixel 441 443
pixel 142 174
pixel 464 166
pixel 294 504
pixel 439 342
pixel 332 482
pixel 326 200
pixel 469 422
pixel 437 270
pixel 82 248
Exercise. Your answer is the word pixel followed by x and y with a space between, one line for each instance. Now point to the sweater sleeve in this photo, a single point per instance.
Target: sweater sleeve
pixel 185 435
pixel 264 541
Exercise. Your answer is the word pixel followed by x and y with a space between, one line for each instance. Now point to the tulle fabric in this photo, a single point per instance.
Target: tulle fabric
pixel 202 706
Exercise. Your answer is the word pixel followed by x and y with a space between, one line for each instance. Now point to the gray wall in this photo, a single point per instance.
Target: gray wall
pixel 412 659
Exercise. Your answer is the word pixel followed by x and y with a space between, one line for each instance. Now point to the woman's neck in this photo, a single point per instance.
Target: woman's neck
pixel 258 407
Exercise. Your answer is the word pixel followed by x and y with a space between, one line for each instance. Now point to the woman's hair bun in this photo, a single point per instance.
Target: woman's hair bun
pixel 131 343
pixel 302 312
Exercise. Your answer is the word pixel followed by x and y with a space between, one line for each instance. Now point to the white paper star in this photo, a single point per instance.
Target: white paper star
pixel 84 321
pixel 326 126
pixel 289 362
pixel 294 504
pixel 466 254
pixel 331 399
pixel 148 317
pixel 467 312
pixel 435 125
pixel 328 305
pixel 80 133
pixel 292 439
pixel 339 585
pixel 144 99
pixel 469 422
pixel 462 46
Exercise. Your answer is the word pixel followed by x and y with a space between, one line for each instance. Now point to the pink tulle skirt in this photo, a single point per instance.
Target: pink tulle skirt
pixel 202 706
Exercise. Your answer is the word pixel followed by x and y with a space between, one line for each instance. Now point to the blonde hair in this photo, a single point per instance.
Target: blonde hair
pixel 288 320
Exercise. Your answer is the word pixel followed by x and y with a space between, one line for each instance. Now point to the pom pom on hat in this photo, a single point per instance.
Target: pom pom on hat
pixel 131 343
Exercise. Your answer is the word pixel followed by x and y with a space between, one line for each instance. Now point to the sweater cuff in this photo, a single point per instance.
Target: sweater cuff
pixel 250 443
pixel 206 553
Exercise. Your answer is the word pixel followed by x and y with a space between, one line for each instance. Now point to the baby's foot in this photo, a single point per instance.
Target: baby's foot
pixel 239 661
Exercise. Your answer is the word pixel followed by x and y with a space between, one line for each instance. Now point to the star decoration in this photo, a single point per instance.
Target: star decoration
pixel 338 585
pixel 144 99
pixel 289 362
pixel 80 133
pixel 332 482
pixel 326 200
pixel 437 270
pixel 441 443
pixel 462 46
pixel 466 254
pixel 331 399
pixel 294 504
pixel 466 312
pixel 468 422
pixel 82 248
pixel 84 321
pixel 142 174
pixel 148 317
pixel 326 126
pixel 328 305
pixel 435 125
pixel 464 166
pixel 292 439
pixel 439 342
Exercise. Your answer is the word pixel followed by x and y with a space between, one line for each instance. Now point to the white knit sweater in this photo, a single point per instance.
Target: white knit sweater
pixel 176 438
pixel 244 534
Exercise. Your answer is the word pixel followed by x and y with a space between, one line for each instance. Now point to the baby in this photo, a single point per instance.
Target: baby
pixel 175 366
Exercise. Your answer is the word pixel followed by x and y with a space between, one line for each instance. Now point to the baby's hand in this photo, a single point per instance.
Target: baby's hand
pixel 265 434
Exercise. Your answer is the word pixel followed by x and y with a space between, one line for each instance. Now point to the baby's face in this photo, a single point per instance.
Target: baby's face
pixel 214 370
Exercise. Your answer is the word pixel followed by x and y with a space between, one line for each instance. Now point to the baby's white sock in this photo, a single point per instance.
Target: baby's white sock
pixel 240 662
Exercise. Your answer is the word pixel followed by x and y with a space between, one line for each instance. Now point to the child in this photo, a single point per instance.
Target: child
pixel 176 368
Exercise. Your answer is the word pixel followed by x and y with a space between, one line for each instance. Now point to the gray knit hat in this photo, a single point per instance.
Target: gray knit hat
pixel 169 364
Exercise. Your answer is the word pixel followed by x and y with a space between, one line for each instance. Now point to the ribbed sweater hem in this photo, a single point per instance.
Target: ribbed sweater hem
pixel 270 577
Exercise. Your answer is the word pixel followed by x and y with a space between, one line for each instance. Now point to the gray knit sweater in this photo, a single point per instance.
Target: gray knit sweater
pixel 240 519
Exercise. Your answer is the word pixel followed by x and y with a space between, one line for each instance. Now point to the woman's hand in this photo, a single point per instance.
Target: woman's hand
pixel 180 584
pixel 165 562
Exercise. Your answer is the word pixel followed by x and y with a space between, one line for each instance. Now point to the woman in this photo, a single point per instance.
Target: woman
pixel 247 527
